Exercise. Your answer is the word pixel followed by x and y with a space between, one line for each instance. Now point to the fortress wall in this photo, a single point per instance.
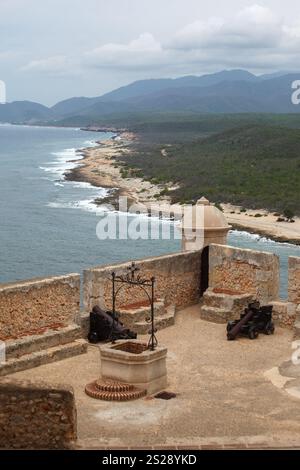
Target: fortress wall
pixel 177 281
pixel 36 415
pixel 244 271
pixel 294 280
pixel 30 307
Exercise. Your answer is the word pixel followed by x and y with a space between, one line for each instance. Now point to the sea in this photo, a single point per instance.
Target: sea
pixel 48 225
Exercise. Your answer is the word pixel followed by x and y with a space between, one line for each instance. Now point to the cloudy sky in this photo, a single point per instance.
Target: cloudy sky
pixel 54 49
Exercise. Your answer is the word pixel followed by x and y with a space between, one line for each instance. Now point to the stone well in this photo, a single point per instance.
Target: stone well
pixel 130 361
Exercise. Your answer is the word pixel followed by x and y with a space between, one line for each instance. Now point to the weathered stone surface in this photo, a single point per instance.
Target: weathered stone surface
pixel 30 307
pixel 214 314
pixel 49 339
pixel 294 280
pixel 36 415
pixel 138 313
pixel 146 370
pixel 161 322
pixel 244 271
pixel 44 356
pixel 297 323
pixel 284 313
pixel 221 307
pixel 136 318
pixel 177 281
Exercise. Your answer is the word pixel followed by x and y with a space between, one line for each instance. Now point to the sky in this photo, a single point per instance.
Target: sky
pixel 54 49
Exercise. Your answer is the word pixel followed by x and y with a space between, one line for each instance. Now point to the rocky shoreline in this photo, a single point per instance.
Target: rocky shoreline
pixel 102 167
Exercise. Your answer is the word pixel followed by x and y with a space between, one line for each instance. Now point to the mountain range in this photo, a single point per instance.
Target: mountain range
pixel 232 91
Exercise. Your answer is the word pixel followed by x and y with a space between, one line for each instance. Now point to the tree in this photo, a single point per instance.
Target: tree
pixel 289 214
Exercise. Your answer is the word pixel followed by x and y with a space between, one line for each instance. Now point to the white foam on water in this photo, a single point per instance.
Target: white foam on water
pixel 91 143
pixel 66 154
pixel 252 236
pixel 85 204
pixel 89 205
pixel 65 161
pixel 260 238
pixel 82 184
pixel 46 178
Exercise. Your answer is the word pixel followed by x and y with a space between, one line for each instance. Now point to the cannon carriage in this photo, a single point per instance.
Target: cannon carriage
pixel 254 320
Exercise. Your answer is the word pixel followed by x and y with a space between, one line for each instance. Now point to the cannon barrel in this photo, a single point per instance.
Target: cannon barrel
pixel 232 334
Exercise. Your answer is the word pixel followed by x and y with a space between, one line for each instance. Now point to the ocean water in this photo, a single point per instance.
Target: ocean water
pixel 48 225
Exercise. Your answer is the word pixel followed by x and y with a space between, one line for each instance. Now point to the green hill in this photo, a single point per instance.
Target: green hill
pixel 255 166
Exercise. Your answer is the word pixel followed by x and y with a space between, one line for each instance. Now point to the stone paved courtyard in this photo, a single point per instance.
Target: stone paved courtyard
pixel 227 393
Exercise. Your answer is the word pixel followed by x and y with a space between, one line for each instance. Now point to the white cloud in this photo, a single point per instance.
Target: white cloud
pixel 6 56
pixel 253 26
pixel 59 64
pixel 140 52
pixel 254 37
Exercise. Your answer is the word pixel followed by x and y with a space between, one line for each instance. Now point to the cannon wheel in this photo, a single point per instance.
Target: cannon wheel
pixel 270 329
pixel 253 333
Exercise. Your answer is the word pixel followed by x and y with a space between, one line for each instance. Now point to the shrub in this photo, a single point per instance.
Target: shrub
pixel 289 213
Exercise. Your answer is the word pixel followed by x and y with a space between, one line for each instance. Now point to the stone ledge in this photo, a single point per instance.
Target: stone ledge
pixel 46 356
pixel 50 338
pixel 72 279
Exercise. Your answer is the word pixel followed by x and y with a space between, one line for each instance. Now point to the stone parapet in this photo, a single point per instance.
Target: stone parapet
pixel 294 280
pixel 31 307
pixel 284 314
pixel 244 271
pixel 177 281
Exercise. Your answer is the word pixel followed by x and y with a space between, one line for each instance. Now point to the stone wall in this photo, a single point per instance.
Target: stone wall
pixel 177 281
pixel 30 307
pixel 244 271
pixel 36 415
pixel 294 280
pixel 284 314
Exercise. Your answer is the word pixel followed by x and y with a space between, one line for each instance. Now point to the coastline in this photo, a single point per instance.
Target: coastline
pixel 101 167
pixel 265 225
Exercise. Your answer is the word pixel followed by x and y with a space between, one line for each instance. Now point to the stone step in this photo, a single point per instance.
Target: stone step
pixel 49 339
pixel 38 358
pixel 161 322
pixel 211 299
pixel 215 314
pixel 136 315
pixel 226 301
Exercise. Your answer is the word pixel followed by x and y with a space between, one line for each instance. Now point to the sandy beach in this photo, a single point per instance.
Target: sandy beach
pixel 101 168
pixel 266 224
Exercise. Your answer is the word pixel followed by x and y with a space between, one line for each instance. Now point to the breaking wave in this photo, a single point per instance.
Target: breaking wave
pixel 64 161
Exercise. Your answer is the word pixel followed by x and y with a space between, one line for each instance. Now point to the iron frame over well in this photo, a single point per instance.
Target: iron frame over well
pixel 133 280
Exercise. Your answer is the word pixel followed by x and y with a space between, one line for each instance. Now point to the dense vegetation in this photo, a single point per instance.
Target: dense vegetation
pixel 251 160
